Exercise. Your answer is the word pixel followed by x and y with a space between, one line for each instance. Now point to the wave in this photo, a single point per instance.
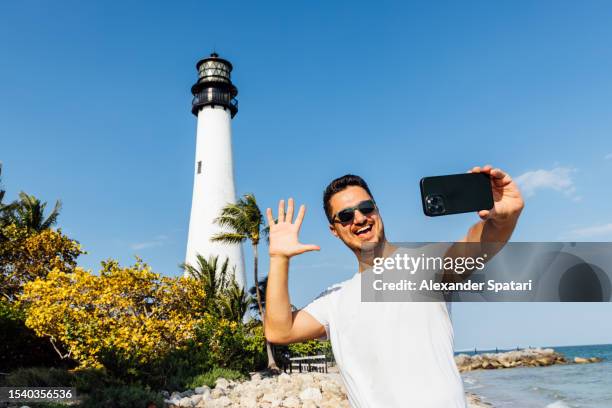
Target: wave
pixel 558 404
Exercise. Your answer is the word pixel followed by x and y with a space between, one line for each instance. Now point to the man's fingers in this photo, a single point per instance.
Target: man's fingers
pixel 281 211
pixel 300 216
pixel 289 217
pixel 475 169
pixel 498 173
pixel 484 214
pixel 269 216
pixel 306 248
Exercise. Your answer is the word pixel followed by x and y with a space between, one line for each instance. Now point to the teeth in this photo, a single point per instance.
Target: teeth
pixel 359 231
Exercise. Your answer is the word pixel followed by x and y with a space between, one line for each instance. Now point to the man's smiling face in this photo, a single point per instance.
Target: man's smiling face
pixel 362 228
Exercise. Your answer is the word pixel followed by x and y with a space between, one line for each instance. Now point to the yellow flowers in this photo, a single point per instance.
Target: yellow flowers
pixel 25 256
pixel 129 311
pixel 129 320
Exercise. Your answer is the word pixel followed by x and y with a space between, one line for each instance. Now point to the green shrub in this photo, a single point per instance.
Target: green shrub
pixel 311 348
pixel 232 345
pixel 209 378
pixel 40 377
pixel 87 380
pixel 19 345
pixel 127 396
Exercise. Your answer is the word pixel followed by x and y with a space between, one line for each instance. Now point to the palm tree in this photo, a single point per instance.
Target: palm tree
pixel 263 284
pixel 5 209
pixel 244 221
pixel 29 213
pixel 224 297
pixel 213 276
pixel 234 304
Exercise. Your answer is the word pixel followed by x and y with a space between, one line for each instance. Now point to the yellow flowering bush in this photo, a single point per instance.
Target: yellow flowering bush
pixel 26 256
pixel 129 312
pixel 133 322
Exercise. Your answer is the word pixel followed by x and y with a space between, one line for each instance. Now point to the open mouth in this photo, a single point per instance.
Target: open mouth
pixel 363 231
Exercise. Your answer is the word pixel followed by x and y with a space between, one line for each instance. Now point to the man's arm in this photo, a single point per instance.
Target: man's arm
pixel 496 226
pixel 281 325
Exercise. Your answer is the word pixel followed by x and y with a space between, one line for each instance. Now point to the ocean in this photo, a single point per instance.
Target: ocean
pixel 557 386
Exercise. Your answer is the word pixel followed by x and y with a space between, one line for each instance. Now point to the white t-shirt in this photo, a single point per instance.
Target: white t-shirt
pixel 390 355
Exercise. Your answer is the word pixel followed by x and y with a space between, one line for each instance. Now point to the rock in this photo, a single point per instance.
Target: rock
pixel 187 393
pixel 224 401
pixel 222 383
pixel 331 388
pixel 185 402
pixel 474 401
pixel 284 378
pixel 248 401
pixel 291 402
pixel 202 390
pixel 311 394
pixel 545 361
pixel 217 393
pixel 580 360
pixel 273 399
pixel 595 360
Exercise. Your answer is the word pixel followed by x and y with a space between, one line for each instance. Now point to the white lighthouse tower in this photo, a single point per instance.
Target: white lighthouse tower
pixel 215 105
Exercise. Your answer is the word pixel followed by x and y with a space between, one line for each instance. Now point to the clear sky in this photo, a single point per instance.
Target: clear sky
pixel 95 111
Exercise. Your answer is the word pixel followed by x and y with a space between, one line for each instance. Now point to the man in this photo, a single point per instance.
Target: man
pixel 389 354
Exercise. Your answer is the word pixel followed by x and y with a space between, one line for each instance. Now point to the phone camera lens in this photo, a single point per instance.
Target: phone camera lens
pixel 435 204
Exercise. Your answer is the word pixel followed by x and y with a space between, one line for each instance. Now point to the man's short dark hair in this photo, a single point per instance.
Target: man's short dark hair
pixel 338 185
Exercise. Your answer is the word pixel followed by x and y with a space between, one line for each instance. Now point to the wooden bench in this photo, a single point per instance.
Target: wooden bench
pixel 309 364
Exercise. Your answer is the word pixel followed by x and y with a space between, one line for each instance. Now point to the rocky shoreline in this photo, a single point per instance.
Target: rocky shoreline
pixel 536 357
pixel 298 390
pixel 318 390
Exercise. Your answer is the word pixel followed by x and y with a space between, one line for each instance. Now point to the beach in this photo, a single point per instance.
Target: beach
pixel 564 377
pixel 569 385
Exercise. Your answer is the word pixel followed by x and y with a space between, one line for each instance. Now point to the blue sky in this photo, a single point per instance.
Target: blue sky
pixel 95 111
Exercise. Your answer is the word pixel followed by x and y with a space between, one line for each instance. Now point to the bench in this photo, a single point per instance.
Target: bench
pixel 308 364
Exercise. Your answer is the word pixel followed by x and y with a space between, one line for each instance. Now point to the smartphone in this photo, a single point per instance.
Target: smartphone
pixel 456 193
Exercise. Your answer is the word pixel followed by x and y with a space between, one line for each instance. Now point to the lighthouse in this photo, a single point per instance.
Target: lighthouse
pixel 214 104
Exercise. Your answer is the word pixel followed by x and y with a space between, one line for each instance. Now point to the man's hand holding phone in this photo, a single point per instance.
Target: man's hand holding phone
pixel 507 200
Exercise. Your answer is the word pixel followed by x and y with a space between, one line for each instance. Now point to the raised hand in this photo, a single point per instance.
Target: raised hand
pixel 507 199
pixel 284 240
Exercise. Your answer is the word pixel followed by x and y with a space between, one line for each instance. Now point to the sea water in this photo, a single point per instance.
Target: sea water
pixel 556 386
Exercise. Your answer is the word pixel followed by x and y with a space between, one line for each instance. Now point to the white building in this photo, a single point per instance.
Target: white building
pixel 215 105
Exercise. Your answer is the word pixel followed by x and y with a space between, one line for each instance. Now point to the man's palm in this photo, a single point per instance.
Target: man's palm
pixel 284 233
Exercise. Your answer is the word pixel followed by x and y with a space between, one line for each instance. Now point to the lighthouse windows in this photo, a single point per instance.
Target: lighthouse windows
pixel 199 167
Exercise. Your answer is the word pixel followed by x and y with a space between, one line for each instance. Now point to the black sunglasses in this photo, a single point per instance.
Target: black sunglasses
pixel 346 215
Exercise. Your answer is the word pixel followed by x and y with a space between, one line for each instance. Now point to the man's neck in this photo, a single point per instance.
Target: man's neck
pixel 366 255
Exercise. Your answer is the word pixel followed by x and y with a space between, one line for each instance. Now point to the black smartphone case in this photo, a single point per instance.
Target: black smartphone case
pixel 456 193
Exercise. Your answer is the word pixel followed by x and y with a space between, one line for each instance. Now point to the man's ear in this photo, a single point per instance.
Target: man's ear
pixel 333 230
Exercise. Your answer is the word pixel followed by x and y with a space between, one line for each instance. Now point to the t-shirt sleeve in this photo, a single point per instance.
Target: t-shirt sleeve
pixel 320 308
